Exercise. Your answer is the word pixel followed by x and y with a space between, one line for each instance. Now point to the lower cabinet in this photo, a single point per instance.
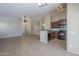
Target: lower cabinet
pixel 54 35
pixel 59 35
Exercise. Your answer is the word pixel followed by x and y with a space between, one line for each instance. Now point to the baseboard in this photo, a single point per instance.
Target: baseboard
pixel 73 51
pixel 9 36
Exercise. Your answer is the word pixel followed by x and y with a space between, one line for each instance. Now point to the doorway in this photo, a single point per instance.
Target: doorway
pixel 26 26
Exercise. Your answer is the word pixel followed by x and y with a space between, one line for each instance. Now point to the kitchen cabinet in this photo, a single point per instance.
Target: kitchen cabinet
pixel 54 24
pixel 61 25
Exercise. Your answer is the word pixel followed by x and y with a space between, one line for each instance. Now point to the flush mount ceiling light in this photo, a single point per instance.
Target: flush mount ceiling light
pixel 42 4
pixel 61 8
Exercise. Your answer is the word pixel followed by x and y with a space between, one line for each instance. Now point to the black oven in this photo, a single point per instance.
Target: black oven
pixel 62 34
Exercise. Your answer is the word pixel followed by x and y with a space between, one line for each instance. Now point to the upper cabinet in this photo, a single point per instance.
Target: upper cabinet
pixel 62 23
pixel 59 24
pixel 54 24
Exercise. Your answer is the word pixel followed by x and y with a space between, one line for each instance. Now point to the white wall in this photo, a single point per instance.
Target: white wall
pixel 10 27
pixel 47 22
pixel 73 28
pixel 37 23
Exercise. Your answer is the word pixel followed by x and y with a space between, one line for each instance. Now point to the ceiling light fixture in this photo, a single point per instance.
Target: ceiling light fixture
pixel 61 8
pixel 42 4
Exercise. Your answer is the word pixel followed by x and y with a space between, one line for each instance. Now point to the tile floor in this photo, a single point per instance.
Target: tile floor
pixel 30 45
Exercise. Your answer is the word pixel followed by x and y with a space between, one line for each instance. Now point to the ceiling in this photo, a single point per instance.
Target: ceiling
pixel 25 9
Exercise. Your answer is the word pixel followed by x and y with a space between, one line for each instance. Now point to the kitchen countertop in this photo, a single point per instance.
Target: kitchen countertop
pixel 54 29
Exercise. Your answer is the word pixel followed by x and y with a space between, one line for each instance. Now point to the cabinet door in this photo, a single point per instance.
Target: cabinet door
pixel 54 24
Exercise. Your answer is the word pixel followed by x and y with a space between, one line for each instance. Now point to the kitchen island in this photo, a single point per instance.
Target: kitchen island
pixel 44 35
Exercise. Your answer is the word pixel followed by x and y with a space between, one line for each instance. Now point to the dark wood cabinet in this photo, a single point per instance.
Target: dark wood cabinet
pixel 61 34
pixel 62 23
pixel 54 35
pixel 54 24
pixel 59 24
